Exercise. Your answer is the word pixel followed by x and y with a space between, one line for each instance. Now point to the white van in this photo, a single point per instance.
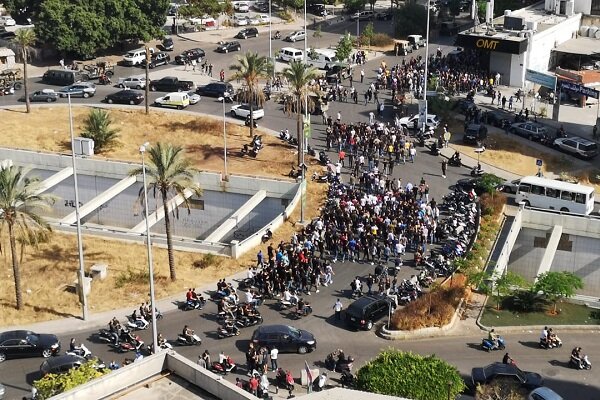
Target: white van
pixel 321 58
pixel 179 100
pixel 135 57
pixel 288 54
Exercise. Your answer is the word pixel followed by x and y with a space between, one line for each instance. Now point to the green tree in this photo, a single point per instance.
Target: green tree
pixel 250 69
pixel 21 201
pixel 353 6
pixel 367 34
pixel 490 182
pixel 170 174
pixel 23 44
pixel 198 8
pixel 557 285
pixel 98 127
pixel 299 75
pixel 344 48
pixel 506 285
pixel 411 19
pixel 409 375
pixel 54 384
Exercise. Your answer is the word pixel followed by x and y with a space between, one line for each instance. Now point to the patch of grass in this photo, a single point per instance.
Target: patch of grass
pixel 381 40
pixel 131 277
pixel 207 260
pixel 569 314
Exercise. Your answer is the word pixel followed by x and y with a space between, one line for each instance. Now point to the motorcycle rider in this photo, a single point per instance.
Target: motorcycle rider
pixel 576 357
pixel 188 333
pixel 456 157
pixel 544 337
pixel 114 326
pixel 493 337
pixel 131 338
pixel 277 35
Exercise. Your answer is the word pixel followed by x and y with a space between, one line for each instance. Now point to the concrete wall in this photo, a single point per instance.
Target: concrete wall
pixel 583 6
pixel 542 43
pixel 501 62
pixel 582 225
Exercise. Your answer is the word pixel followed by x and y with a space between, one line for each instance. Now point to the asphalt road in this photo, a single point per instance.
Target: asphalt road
pixel 463 352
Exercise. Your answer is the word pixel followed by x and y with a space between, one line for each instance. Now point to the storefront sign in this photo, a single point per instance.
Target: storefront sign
pixel 586 91
pixel 492 43
pixel 540 78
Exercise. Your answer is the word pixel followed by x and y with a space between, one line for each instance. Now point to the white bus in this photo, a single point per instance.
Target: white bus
pixel 555 195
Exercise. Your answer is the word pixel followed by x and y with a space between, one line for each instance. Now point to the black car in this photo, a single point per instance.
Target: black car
pixel 286 339
pixel 167 44
pixel 496 118
pixel 475 133
pixel 467 184
pixel 19 344
pixel 364 312
pixel 247 33
pixel 64 363
pixel 157 59
pixel 125 96
pixel 228 46
pixel 190 55
pixel 529 380
pixel 465 106
pixel 215 89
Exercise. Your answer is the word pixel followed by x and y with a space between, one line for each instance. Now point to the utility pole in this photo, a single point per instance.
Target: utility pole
pixel 147 88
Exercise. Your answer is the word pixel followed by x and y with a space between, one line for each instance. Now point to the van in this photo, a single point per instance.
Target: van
pixel 288 54
pixel 402 48
pixel 321 58
pixel 135 57
pixel 62 77
pixel 577 146
pixel 178 100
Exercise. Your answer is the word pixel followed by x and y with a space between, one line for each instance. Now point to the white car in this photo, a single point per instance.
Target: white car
pixel 194 97
pixel 240 20
pixel 295 36
pixel 241 7
pixel 7 20
pixel 132 82
pixel 409 122
pixel 254 20
pixel 243 110
pixel 264 18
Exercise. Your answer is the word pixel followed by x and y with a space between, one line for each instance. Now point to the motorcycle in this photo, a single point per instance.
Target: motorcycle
pixel 104 80
pixel 435 150
pixel 477 171
pixel 324 158
pixel 105 335
pixel 81 351
pixel 163 346
pixel 227 366
pixel 191 304
pixel 224 331
pixel 137 324
pixel 455 162
pixel 277 36
pixel 128 344
pixel 488 345
pixel 555 343
pixel 247 122
pixel 583 363
pixel 322 178
pixel 193 340
pixel 267 236
pixel 347 379
pixel 252 152
pixel 245 322
pixel 337 361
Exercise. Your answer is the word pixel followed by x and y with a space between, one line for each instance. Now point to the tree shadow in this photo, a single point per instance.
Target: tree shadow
pixel 38 309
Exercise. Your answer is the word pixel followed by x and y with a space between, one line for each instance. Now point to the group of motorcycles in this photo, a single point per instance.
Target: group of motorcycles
pixel 233 317
pixel 253 148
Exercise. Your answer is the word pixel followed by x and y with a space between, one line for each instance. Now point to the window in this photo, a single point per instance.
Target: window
pixel 539 190
pixel 580 198
pixel 524 188
pixel 595 9
pixel 552 192
pixel 568 196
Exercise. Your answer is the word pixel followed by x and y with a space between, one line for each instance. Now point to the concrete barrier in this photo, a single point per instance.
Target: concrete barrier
pixel 237 216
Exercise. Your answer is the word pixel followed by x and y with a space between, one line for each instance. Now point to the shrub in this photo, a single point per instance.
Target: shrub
pixel 409 375
pixel 54 384
pixel 131 277
pixel 286 15
pixel 381 40
pixel 492 204
pixel 206 261
pixel 504 388
pixel 97 126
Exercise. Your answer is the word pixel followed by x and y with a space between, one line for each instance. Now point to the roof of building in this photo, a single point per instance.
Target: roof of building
pixel 6 52
pixel 348 394
pixel 584 46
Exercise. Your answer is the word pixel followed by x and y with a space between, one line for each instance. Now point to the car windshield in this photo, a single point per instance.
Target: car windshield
pixel 129 55
pixel 294 331
pixel 589 147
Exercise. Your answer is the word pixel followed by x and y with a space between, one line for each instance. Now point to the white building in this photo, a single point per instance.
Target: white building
pixel 523 39
pixel 7 58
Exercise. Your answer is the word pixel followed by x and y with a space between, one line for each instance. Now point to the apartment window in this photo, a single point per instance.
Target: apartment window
pixel 595 10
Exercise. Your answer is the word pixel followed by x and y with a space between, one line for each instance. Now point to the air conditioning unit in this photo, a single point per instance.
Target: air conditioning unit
pixel 507 13
pixel 531 25
pixel 83 146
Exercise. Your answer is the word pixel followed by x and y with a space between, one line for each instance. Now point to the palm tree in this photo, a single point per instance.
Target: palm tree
pixel 23 42
pixel 98 126
pixel 299 75
pixel 170 173
pixel 250 68
pixel 20 204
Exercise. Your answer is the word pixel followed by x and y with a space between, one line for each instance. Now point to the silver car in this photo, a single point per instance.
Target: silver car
pixel 295 36
pixel 81 89
pixel 133 82
pixel 530 130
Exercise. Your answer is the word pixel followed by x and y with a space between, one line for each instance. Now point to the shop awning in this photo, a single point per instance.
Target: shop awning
pixel 583 46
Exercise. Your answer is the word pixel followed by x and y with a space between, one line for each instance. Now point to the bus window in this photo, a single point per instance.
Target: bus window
pixel 552 192
pixel 580 198
pixel 537 190
pixel 564 195
pixel 524 188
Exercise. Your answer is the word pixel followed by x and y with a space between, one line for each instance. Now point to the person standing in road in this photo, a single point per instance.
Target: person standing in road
pixel 337 307
pixel 273 354
pixel 362 75
pixel 444 166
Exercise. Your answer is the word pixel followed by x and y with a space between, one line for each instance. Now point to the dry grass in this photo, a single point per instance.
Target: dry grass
pixel 47 271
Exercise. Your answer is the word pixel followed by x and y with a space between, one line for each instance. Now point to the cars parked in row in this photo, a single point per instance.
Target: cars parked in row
pixel 227 47
pixel 125 96
pixel 81 89
pixel 285 338
pixel 21 343
pixel 44 95
pixel 529 130
pixel 577 146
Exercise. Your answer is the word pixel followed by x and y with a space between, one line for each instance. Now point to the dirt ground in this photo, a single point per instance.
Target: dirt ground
pixel 49 269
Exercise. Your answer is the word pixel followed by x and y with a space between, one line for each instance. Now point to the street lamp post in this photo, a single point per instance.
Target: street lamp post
pixel 149 248
pixel 426 65
pixel 222 100
pixel 270 39
pixel 82 295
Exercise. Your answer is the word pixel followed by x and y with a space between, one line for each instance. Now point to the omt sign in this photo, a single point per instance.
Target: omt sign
pixel 487 44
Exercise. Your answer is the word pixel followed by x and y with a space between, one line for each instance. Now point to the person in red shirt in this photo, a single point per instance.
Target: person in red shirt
pixel 253 385
pixel 341 156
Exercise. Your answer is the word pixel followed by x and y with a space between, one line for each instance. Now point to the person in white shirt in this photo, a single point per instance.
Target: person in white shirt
pixel 273 354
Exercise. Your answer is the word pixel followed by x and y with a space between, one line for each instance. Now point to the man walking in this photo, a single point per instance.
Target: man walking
pixel 337 307
pixel 273 356
pixel 362 75
pixel 444 166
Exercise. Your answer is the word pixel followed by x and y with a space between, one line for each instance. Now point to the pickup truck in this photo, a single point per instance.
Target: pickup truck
pixel 171 84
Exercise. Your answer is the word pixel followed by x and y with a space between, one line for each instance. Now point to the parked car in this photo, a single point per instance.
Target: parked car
pixel 167 44
pixel 194 97
pixel 264 19
pixel 189 55
pixel 63 364
pixel 19 344
pixel 416 41
pixel 7 20
pixel 496 118
pixel 286 339
pixel 243 110
pixel 247 33
pixel 475 133
pixel 261 6
pixel 215 89
pixel 125 96
pixel 171 84
pixel 157 59
pixel 44 95
pixel 133 82
pixel 482 375
pixel 544 393
pixel 295 36
pixel 510 186
pixel 384 16
pixel 240 20
pixel 466 184
pixel 577 146
pixel 362 16
pixel 226 47
pixel 81 89
pixel 530 130
pixel 241 7
pixel 465 105
pixel 367 310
